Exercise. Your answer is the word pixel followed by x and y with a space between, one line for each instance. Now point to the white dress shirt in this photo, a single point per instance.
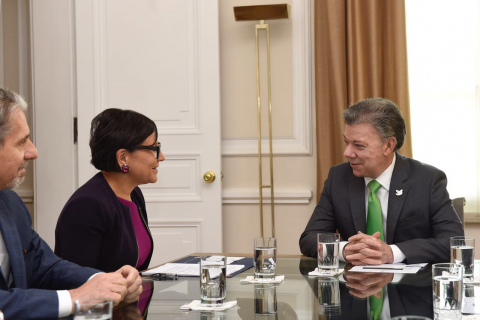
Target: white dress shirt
pixel 382 193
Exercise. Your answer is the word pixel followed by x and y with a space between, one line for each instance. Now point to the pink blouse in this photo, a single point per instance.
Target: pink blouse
pixel 143 239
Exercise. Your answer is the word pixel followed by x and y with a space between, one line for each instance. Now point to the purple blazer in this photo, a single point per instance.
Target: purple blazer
pixel 95 230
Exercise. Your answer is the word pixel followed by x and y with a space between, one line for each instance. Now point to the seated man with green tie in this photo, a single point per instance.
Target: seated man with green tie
pixel 390 208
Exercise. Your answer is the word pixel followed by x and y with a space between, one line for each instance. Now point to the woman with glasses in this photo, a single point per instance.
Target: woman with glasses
pixel 104 224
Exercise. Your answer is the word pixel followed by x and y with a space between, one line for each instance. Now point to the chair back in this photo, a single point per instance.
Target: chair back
pixel 459 204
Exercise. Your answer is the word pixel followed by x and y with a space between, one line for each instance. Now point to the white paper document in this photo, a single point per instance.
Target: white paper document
pixel 187 269
pixel 390 268
pixel 229 259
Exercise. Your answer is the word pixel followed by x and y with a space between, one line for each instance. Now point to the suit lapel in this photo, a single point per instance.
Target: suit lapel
pixel 357 204
pixel 395 202
pixel 14 247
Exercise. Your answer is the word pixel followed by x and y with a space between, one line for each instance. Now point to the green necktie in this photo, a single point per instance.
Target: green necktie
pixel 374 217
pixel 374 224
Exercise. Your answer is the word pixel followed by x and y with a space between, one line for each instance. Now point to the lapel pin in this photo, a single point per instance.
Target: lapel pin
pixel 24 251
pixel 398 192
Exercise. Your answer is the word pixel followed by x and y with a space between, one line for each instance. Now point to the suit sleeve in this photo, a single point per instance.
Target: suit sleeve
pixel 44 273
pixel 79 232
pixel 322 220
pixel 444 223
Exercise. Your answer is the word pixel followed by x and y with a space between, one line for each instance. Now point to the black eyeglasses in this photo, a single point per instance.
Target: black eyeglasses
pixel 153 148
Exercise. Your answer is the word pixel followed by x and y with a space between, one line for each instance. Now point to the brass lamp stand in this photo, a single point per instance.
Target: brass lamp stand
pixel 262 13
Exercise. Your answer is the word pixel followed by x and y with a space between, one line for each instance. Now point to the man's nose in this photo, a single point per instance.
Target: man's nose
pixel 349 152
pixel 31 152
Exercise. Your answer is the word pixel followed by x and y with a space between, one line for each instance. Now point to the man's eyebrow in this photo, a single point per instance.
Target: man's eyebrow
pixel 24 139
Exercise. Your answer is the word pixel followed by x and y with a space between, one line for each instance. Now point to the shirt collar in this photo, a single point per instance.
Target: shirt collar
pixel 385 178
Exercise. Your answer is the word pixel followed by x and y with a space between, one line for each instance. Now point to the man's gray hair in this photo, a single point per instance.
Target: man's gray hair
pixel 383 114
pixel 10 103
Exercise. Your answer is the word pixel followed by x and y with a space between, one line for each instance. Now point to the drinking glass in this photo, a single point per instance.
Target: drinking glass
pixel 329 297
pixel 447 290
pixel 328 247
pixel 87 309
pixel 462 251
pixel 213 281
pixel 265 258
pixel 265 300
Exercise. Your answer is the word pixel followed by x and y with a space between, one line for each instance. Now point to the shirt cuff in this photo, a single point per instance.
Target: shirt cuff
pixel 342 245
pixel 398 255
pixel 64 303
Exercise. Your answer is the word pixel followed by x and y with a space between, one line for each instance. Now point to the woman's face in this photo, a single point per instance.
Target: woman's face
pixel 144 164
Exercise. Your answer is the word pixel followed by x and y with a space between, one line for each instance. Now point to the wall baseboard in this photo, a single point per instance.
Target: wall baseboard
pixel 251 196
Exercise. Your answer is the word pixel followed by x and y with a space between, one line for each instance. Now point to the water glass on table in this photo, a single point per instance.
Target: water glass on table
pixel 213 281
pixel 328 248
pixel 87 309
pixel 447 290
pixel 462 251
pixel 265 258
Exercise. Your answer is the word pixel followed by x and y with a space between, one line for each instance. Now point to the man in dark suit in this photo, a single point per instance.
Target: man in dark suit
pixel 29 271
pixel 410 215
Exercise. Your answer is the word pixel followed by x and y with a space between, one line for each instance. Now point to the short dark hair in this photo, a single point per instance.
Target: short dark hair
pixel 115 129
pixel 383 114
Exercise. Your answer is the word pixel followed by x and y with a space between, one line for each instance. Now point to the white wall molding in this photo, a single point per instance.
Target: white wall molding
pixel 251 196
pixel 163 191
pixel 184 223
pixel 25 195
pixel 301 141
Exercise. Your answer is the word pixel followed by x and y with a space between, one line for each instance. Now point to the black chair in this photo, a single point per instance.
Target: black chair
pixel 459 204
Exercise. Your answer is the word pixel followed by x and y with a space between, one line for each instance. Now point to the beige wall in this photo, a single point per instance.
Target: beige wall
pixel 473 230
pixel 239 121
pixel 16 57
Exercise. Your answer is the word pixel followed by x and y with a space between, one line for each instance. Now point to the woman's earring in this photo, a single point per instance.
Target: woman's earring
pixel 125 168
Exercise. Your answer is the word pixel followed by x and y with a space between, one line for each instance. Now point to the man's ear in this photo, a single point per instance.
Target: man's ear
pixel 122 157
pixel 390 145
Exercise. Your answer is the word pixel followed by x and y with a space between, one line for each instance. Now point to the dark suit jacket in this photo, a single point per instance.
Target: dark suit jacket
pixel 36 270
pixel 420 222
pixel 95 230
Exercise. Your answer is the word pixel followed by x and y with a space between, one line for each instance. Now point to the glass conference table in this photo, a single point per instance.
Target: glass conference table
pixel 297 297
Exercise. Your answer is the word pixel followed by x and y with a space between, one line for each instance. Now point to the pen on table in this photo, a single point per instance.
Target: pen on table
pixel 161 276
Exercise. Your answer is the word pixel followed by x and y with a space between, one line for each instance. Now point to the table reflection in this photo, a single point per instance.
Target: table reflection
pixel 264 305
pixel 406 294
pixel 299 297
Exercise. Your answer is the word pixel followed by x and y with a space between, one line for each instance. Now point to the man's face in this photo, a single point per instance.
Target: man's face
pixel 16 151
pixel 364 149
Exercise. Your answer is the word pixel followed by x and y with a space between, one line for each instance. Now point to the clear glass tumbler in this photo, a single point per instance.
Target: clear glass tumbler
pixel 265 258
pixel 447 285
pixel 462 251
pixel 213 281
pixel 328 248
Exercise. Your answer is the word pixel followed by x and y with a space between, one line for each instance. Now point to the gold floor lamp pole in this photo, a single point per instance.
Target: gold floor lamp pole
pixel 262 13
